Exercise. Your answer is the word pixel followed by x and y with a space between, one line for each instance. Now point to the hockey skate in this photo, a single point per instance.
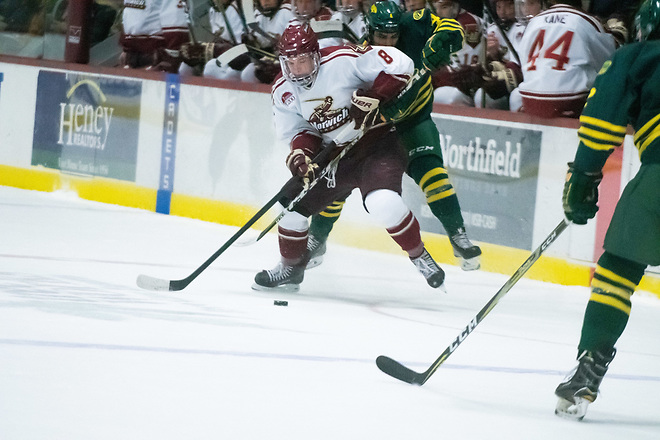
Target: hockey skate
pixel 315 251
pixel 282 278
pixel 427 266
pixel 581 387
pixel 465 250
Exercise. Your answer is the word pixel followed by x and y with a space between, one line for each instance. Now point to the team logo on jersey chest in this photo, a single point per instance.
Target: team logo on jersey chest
pixel 324 119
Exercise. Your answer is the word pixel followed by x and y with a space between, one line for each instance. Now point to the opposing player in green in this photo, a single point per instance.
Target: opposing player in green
pixel 429 41
pixel 626 91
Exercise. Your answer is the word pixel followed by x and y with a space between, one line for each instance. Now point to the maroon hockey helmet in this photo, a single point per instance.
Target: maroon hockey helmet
pixel 300 56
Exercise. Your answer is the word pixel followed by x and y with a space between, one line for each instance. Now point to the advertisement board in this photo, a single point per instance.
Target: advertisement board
pixel 494 170
pixel 87 124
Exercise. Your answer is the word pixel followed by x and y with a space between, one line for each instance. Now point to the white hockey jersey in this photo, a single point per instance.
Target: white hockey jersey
pixel 322 110
pixel 231 29
pixel 514 34
pixel 274 25
pixel 562 51
pixel 356 22
pixel 474 49
pixel 142 18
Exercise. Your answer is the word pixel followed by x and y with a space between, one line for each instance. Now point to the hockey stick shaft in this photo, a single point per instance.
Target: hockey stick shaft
pixel 186 10
pixel 333 164
pixel 398 371
pixel 152 283
pixel 418 75
pixel 493 16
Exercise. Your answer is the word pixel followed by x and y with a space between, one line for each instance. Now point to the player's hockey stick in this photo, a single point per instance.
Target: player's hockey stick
pixel 250 21
pixel 398 371
pixel 186 10
pixel 236 51
pixel 493 16
pixel 418 75
pixel 349 136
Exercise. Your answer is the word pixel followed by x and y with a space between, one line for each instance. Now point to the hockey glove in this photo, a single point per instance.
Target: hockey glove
pixel 466 78
pixel 195 54
pixel 580 195
pixel 364 110
pixel 618 29
pixel 439 48
pixel 266 70
pixel 502 79
pixel 301 165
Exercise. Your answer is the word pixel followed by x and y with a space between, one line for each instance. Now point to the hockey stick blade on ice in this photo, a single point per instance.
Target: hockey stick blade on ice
pixel 348 137
pixel 398 371
pixel 152 283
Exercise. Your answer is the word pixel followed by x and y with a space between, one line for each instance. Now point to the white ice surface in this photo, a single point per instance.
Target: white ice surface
pixel 85 354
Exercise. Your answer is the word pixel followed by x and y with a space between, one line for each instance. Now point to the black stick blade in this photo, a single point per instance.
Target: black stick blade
pixel 396 370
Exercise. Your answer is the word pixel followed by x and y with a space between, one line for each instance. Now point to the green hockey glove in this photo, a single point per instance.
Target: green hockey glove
pixel 580 195
pixel 439 48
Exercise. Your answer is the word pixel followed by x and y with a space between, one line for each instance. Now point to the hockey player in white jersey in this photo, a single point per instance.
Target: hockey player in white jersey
pixel 319 96
pixel 351 14
pixel 227 26
pixel 320 17
pixel 456 84
pixel 502 56
pixel 142 33
pixel 561 52
pixel 272 17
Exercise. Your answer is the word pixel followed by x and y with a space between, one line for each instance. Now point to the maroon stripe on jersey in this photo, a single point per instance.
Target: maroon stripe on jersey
pixel 278 82
pixel 571 95
pixel 340 52
pixel 569 10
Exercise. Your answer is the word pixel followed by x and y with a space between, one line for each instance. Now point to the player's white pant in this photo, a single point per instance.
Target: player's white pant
pixel 247 75
pixel 515 101
pixel 499 104
pixel 212 70
pixel 452 96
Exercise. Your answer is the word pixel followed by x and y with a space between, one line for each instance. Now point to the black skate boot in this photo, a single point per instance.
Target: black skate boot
pixel 315 251
pixel 427 266
pixel 282 278
pixel 467 252
pixel 581 387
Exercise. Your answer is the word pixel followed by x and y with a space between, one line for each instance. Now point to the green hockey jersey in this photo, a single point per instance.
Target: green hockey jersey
pixel 626 91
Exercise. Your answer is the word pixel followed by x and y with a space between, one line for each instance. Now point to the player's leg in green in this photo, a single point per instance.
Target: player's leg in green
pixel 605 318
pixel 426 167
pixel 319 230
pixel 631 244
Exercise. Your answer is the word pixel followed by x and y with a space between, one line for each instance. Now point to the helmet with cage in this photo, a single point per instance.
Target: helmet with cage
pixel 300 56
pixel 647 21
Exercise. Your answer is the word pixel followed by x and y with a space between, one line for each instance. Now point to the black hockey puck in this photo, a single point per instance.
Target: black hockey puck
pixel 280 303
